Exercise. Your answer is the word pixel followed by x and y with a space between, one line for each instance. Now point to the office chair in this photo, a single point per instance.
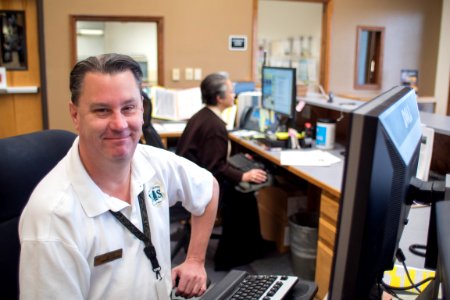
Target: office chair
pixel 24 161
pixel 151 137
pixel 179 214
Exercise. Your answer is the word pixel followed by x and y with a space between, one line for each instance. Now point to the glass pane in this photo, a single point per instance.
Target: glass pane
pixel 136 39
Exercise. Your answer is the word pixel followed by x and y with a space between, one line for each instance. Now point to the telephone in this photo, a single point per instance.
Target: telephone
pixel 249 118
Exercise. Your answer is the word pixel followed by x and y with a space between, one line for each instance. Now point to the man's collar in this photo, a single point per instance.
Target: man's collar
pixel 93 200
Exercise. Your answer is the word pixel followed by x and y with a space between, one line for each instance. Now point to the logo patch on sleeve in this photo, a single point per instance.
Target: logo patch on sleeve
pixel 156 194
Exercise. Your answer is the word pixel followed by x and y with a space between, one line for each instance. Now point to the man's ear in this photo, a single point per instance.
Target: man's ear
pixel 219 99
pixel 73 109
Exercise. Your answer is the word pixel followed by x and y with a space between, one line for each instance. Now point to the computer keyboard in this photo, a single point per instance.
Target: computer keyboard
pixel 242 162
pixel 242 285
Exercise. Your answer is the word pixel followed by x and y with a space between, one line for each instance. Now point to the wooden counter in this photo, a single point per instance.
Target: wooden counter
pixel 328 180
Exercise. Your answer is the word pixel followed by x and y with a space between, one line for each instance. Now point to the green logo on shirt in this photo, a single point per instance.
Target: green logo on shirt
pixel 156 195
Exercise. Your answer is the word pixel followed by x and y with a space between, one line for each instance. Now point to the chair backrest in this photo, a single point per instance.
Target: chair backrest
pixel 151 137
pixel 24 161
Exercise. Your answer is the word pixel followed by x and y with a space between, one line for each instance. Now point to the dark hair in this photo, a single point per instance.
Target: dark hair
pixel 110 63
pixel 213 85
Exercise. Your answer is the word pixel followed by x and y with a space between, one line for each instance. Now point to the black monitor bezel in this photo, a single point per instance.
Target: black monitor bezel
pixel 293 72
pixel 364 121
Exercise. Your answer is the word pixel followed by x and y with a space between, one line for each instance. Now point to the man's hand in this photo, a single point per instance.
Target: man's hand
pixel 189 278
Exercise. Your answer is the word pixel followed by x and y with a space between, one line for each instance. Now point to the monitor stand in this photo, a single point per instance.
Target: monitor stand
pixel 442 222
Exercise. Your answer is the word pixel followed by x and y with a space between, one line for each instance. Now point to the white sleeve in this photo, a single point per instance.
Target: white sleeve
pixel 52 270
pixel 195 186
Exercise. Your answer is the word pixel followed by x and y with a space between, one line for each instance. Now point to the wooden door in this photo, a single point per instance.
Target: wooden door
pixel 22 112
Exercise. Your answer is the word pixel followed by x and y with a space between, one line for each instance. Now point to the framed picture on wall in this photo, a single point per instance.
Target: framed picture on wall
pixel 13 48
pixel 410 78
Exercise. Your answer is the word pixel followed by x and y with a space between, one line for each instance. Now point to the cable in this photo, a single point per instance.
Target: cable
pixel 390 292
pixel 405 288
pixel 415 247
pixel 390 289
pixel 401 257
pixel 409 278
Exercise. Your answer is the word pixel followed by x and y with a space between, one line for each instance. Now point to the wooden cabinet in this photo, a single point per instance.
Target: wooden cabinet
pixel 329 208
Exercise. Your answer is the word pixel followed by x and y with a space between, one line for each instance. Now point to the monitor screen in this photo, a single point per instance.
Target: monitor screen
pixel 279 90
pixel 381 158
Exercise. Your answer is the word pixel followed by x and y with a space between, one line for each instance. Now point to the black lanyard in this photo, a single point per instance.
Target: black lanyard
pixel 146 237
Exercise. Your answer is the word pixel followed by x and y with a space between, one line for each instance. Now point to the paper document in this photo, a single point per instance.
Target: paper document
pixel 311 158
pixel 174 127
pixel 158 127
pixel 426 151
pixel 175 104
pixel 245 133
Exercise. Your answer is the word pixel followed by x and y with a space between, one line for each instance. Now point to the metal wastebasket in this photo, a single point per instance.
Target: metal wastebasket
pixel 303 242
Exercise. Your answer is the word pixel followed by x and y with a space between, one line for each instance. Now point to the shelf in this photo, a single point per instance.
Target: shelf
pixel 338 104
pixel 19 90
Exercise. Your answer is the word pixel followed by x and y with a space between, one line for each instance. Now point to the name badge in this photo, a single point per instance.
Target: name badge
pixel 107 257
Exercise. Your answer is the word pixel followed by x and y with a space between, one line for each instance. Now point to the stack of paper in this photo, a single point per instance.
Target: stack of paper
pixel 311 158
pixel 175 104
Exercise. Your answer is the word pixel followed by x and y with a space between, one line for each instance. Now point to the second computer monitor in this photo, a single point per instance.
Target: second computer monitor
pixel 279 90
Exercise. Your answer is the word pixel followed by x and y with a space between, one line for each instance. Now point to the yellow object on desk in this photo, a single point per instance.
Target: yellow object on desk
pixel 282 135
pixel 285 135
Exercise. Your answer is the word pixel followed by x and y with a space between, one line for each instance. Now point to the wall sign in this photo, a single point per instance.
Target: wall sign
pixel 237 43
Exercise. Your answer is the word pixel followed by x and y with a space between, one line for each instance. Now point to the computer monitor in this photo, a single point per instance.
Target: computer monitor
pixel 243 86
pixel 279 90
pixel 443 233
pixel 381 158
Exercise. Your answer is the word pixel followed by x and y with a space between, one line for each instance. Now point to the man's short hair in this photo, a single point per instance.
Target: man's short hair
pixel 214 85
pixel 111 63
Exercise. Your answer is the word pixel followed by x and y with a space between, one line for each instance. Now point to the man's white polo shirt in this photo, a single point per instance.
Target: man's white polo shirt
pixel 73 248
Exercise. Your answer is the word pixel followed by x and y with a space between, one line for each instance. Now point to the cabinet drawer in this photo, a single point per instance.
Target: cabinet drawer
pixel 327 232
pixel 323 268
pixel 329 207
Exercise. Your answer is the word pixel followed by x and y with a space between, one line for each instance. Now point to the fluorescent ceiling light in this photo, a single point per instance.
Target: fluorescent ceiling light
pixel 90 32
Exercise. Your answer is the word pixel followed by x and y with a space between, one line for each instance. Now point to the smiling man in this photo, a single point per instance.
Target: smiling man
pixel 97 226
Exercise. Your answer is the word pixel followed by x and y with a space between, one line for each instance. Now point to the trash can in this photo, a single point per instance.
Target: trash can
pixel 303 242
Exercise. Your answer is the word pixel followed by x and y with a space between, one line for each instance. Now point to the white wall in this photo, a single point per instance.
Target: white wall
pixel 142 41
pixel 281 23
pixel 411 41
pixel 284 19
pixel 88 45
pixel 441 89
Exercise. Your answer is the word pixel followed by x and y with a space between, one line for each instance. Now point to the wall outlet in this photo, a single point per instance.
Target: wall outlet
pixel 189 74
pixel 175 74
pixel 198 74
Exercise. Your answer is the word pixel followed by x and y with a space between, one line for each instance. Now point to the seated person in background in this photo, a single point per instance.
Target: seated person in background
pixel 97 226
pixel 205 141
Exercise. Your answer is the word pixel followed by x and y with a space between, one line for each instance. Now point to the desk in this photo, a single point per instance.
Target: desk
pixel 168 130
pixel 328 180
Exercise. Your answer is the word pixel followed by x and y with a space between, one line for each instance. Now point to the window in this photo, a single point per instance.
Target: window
pixel 369 57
